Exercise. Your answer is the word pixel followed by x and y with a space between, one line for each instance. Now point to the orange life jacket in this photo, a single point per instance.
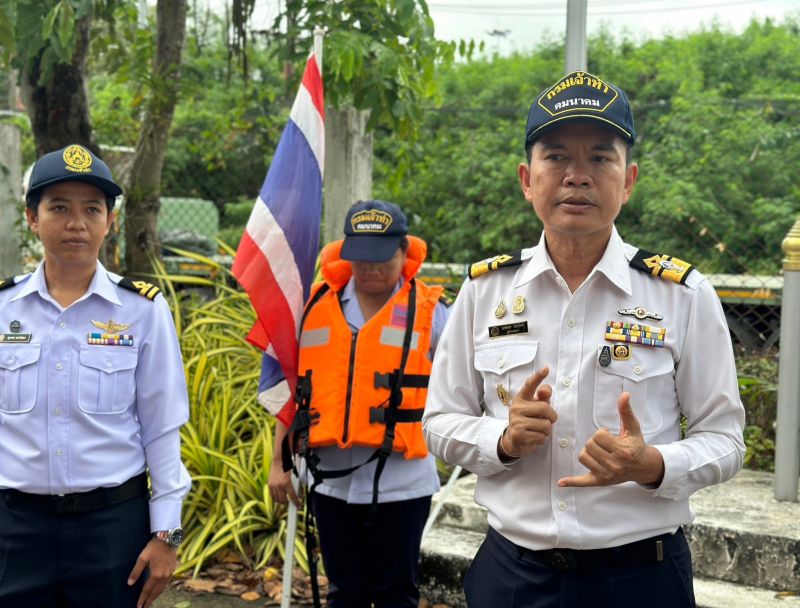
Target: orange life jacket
pixel 350 372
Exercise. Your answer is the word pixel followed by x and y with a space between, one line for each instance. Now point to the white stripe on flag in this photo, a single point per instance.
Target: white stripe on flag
pixel 268 236
pixel 305 115
pixel 274 398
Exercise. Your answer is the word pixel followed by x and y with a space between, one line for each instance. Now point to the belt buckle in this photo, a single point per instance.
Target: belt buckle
pixel 65 503
pixel 563 561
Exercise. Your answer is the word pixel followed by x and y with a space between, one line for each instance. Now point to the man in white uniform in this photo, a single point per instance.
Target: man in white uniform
pixel 563 373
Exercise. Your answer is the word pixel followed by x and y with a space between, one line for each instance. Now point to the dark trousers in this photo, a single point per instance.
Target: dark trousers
pixel 503 575
pixel 371 561
pixel 71 560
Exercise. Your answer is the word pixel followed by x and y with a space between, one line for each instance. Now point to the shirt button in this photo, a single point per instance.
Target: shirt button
pixel 59 452
pixel 562 505
pixel 57 411
pixel 567 382
pixel 11 360
pixel 59 366
pixel 501 363
pixel 108 363
pixel 62 325
pixel 637 369
pixel 571 322
pixel 563 443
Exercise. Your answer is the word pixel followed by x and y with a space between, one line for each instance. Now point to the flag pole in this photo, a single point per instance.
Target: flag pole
pixel 291 523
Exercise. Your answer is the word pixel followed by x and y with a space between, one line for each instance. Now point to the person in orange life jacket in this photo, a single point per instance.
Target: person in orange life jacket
pixel 352 329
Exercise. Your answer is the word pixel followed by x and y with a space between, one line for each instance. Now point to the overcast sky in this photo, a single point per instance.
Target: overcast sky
pixel 508 25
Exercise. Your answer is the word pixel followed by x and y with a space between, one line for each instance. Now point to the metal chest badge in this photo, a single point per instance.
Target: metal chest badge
pixel 500 311
pixel 15 337
pixel 110 337
pixel 503 395
pixel 518 305
pixel 605 356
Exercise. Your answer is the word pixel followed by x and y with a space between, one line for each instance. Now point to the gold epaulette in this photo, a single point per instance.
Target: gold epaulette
pixel 663 266
pixel 503 260
pixel 143 288
pixel 11 281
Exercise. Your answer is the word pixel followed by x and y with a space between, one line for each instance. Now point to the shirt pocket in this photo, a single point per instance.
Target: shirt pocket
pixel 19 378
pixel 504 369
pixel 106 380
pixel 648 375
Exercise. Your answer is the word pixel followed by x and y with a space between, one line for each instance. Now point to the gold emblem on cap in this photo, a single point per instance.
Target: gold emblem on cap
pixel 111 327
pixel 500 311
pixel 519 305
pixel 371 220
pixel 503 395
pixel 78 159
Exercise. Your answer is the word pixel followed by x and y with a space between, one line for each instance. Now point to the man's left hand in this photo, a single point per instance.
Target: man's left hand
pixel 614 459
pixel 160 559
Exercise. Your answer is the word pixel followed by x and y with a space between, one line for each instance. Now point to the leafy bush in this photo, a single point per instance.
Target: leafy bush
pixel 758 386
pixel 227 443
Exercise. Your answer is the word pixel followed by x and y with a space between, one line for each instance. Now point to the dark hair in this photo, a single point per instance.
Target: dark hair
pixel 404 244
pixel 34 198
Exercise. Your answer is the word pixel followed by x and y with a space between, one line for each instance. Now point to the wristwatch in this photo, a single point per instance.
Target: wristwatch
pixel 172 537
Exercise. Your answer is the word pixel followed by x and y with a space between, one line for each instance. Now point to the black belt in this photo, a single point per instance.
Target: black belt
pixel 639 553
pixel 80 502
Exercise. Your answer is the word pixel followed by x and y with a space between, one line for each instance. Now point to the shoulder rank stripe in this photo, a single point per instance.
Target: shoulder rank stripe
pixel 504 260
pixel 663 266
pixel 143 288
pixel 11 281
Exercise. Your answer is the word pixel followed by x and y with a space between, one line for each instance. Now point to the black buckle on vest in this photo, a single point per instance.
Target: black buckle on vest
pixel 383 415
pixel 409 380
pixel 302 392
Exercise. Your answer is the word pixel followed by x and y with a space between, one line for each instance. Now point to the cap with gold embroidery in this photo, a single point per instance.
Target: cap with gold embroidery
pixel 71 164
pixel 580 96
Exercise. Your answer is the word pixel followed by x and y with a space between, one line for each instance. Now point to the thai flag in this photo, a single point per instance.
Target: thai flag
pixel 276 256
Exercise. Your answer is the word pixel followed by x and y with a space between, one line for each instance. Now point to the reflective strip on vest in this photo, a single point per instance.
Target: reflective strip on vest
pixel 315 337
pixel 393 336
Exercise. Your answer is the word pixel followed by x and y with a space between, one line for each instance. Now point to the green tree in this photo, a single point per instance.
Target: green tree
pixel 49 43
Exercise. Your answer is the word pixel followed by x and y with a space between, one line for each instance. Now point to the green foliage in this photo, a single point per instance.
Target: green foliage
pixel 227 443
pixel 760 453
pixel 717 117
pixel 380 55
pixel 46 27
pixel 758 387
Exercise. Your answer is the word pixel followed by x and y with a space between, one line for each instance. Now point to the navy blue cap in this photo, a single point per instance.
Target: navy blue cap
pixel 580 96
pixel 71 164
pixel 373 231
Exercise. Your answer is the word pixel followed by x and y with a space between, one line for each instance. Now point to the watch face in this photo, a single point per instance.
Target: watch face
pixel 175 536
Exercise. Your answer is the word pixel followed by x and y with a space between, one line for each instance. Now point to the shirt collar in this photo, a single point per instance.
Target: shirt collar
pixel 101 284
pixel 613 265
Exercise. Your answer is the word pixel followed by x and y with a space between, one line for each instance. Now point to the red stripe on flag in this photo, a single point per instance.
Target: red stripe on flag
pixel 271 307
pixel 313 82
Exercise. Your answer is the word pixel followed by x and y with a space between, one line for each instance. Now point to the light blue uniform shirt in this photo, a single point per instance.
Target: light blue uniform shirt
pixel 76 416
pixel 401 479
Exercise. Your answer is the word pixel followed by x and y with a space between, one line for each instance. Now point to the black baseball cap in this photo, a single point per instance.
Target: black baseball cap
pixel 580 96
pixel 373 231
pixel 71 164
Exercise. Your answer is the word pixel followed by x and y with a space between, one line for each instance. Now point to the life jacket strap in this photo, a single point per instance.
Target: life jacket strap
pixel 389 380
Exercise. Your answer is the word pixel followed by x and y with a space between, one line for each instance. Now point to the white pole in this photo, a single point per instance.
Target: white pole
pixel 291 523
pixel 787 427
pixel 442 499
pixel 576 36
pixel 288 554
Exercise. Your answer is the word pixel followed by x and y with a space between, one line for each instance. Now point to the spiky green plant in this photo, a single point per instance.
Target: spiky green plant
pixel 227 443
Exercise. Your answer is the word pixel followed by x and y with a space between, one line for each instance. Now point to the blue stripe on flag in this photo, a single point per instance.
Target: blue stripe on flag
pixel 293 193
pixel 271 373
